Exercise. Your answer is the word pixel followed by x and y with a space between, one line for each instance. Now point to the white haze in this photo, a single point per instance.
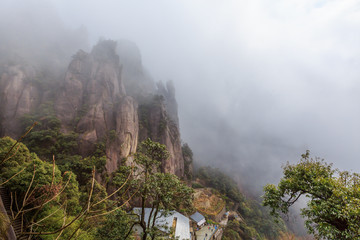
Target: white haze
pixel 258 82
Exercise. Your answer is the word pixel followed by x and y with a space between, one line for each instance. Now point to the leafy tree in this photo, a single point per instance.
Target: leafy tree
pixel 83 167
pixel 18 155
pixel 161 191
pixel 332 210
pixel 116 226
pixel 46 139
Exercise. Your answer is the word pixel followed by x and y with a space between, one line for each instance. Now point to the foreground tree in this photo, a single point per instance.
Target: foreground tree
pixel 162 192
pixel 116 226
pixel 46 201
pixel 333 208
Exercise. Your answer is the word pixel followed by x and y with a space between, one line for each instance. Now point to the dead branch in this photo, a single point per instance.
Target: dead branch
pixel 7 157
pixel 8 180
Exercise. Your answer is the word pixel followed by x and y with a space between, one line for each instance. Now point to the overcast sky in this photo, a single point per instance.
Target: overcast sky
pixel 258 82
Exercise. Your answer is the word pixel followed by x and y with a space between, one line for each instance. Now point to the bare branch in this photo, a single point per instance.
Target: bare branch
pixel 39 221
pixel 113 210
pixel 62 225
pixel 11 205
pixel 60 229
pixel 12 177
pixel 6 158
pixel 92 188
pixel 116 202
pixel 51 199
pixel 117 190
pixel 53 172
pixel 30 185
pixel 16 202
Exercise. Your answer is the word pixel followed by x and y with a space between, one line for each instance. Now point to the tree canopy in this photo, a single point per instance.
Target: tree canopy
pixel 333 196
pixel 116 226
pixel 157 190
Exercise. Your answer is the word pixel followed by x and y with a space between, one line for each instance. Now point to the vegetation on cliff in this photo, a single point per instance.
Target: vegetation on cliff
pixel 59 197
pixel 256 221
pixel 52 202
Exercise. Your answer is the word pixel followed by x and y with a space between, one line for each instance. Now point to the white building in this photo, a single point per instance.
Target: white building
pixel 198 218
pixel 166 222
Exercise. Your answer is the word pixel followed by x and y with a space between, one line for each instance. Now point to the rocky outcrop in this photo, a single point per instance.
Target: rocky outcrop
pixel 188 162
pixel 156 124
pixel 19 95
pixel 93 100
pixel 158 107
pixel 168 93
pixel 126 131
pixel 105 96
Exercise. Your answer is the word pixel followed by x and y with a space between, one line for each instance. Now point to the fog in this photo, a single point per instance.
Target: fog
pixel 258 82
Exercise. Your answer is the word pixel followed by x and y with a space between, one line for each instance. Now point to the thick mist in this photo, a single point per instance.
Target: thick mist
pixel 32 33
pixel 257 83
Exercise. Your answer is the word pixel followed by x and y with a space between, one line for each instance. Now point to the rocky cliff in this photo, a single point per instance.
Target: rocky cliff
pixel 19 95
pixel 104 96
pixel 93 101
pixel 156 124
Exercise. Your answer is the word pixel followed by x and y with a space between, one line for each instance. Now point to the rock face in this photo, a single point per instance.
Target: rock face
pixel 18 95
pixel 158 107
pixel 168 93
pixel 105 96
pixel 157 125
pixel 93 100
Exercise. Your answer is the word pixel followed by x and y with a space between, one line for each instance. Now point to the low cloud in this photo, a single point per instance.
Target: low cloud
pixel 257 83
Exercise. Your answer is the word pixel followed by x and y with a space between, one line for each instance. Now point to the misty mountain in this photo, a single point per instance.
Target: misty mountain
pixel 91 102
pixel 282 77
pixel 257 84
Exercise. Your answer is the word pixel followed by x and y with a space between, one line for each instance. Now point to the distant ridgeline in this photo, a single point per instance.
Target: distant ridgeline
pixel 103 104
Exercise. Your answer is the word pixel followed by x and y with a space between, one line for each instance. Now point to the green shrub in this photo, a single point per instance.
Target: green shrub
pixel 196 185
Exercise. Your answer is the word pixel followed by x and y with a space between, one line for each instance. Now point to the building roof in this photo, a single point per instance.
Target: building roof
pixel 165 222
pixel 197 217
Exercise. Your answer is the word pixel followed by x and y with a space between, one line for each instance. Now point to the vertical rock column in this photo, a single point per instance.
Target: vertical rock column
pixel 94 100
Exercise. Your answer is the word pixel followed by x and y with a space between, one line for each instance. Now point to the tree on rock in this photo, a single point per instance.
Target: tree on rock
pixel 162 192
pixel 332 210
